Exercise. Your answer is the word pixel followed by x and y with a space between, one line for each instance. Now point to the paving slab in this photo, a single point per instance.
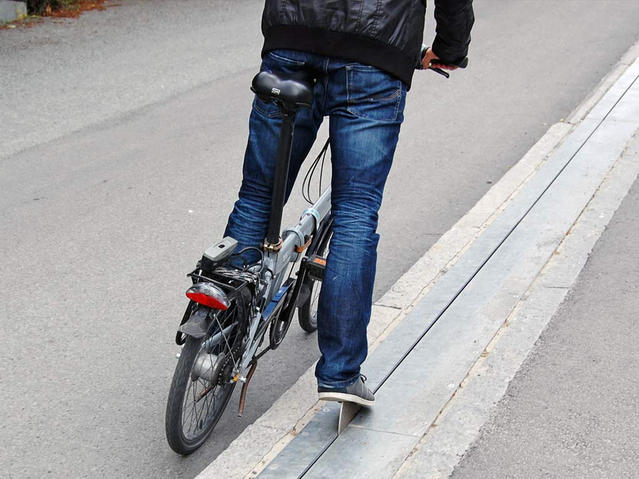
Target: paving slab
pixel 309 444
pixel 382 453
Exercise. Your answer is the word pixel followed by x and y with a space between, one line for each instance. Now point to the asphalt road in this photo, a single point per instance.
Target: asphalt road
pixel 121 138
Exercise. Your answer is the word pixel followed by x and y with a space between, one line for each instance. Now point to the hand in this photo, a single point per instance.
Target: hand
pixel 430 60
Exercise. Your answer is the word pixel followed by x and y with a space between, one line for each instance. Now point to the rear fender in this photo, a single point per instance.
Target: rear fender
pixel 198 323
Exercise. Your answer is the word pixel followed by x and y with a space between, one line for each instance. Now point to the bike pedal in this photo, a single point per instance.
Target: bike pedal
pixel 315 267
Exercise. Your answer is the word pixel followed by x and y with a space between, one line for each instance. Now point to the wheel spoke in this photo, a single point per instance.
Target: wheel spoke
pixel 200 424
pixel 193 414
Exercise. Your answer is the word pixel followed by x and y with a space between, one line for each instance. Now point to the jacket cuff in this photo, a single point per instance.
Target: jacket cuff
pixel 448 53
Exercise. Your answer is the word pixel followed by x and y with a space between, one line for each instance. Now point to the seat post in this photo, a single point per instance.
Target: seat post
pixel 281 176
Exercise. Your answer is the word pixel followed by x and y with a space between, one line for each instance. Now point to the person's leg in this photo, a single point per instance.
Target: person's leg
pixel 366 110
pixel 249 220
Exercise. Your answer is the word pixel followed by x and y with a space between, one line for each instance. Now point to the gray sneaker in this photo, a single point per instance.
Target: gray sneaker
pixel 357 393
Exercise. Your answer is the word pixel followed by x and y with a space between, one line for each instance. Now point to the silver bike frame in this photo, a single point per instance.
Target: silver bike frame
pixel 276 263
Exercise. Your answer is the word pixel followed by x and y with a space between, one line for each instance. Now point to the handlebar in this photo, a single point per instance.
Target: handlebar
pixel 463 63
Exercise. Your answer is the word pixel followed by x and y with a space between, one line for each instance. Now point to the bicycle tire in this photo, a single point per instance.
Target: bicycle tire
pixel 307 311
pixel 185 388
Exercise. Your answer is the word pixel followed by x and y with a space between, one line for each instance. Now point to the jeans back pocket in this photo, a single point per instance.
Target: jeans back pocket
pixel 373 94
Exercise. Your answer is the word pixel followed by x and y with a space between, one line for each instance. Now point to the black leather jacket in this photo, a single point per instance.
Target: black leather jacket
pixel 386 34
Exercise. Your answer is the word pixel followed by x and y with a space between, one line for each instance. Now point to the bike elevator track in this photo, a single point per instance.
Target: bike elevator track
pixel 471 300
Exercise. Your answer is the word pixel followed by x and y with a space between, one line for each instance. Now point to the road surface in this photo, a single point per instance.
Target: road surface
pixel 121 138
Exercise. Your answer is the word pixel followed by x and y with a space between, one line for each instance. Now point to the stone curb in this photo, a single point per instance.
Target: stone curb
pixel 460 422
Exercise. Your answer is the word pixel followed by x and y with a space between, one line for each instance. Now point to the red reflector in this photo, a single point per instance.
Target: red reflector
pixel 208 295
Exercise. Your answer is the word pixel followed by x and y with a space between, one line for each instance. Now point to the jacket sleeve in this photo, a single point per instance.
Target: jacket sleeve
pixel 454 19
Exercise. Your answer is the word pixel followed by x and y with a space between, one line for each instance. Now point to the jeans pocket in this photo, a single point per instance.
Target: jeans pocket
pixel 286 57
pixel 277 61
pixel 372 93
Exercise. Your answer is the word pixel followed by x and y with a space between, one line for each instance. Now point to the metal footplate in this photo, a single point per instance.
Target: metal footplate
pixel 347 411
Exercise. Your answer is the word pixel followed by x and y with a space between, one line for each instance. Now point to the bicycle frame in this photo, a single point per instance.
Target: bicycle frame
pixel 281 251
pixel 275 264
pixel 295 239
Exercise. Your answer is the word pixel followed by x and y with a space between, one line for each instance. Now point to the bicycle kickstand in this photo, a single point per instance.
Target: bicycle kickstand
pixel 245 388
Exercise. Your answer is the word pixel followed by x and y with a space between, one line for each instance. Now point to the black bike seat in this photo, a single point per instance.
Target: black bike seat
pixel 292 89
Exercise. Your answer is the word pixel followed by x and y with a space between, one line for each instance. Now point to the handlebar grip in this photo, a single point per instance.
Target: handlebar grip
pixel 440 71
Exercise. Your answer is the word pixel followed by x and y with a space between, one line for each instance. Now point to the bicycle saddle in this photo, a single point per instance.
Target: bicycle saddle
pixel 292 89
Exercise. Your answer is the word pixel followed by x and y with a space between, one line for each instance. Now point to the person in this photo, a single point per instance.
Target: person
pixel 362 54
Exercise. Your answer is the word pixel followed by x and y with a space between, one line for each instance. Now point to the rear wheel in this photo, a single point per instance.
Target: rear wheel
pixel 307 313
pixel 203 380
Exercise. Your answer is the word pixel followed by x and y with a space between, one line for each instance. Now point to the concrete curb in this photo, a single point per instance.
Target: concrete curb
pixel 608 81
pixel 460 422
pixel 262 441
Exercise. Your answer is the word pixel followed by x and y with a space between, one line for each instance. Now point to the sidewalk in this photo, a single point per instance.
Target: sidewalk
pixel 572 411
pixel 445 348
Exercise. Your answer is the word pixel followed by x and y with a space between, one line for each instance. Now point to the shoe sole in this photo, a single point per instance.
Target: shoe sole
pixel 343 397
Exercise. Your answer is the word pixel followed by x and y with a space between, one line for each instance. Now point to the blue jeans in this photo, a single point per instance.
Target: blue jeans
pixel 365 106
